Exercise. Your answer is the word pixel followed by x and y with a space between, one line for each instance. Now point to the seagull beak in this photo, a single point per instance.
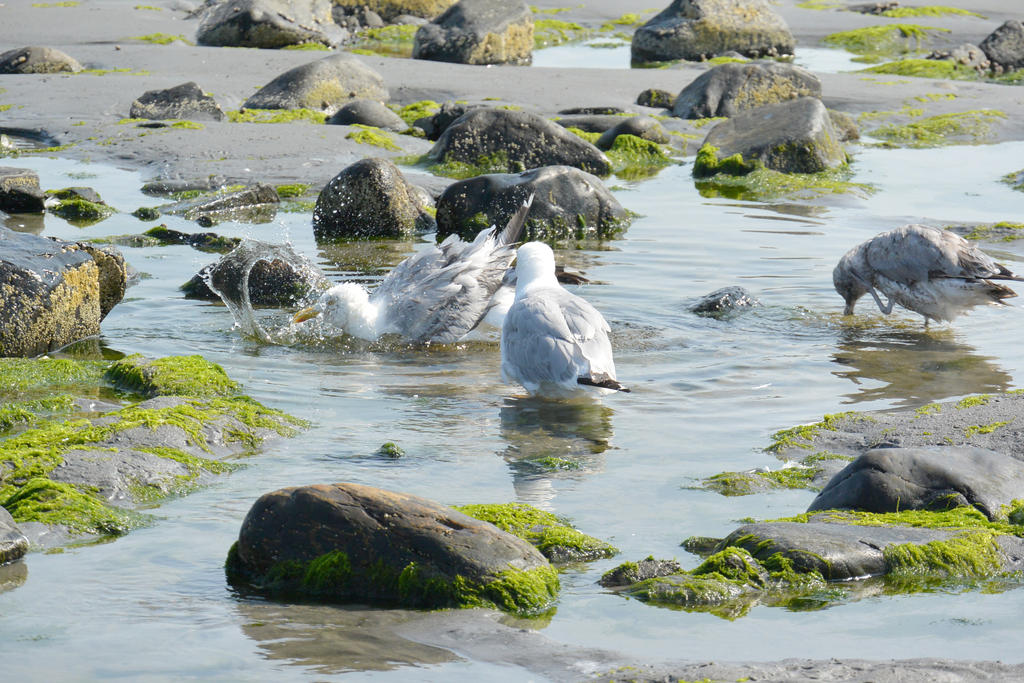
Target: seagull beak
pixel 306 314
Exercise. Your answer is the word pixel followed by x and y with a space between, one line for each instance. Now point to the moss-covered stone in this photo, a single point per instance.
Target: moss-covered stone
pixel 370 135
pixel 924 68
pixel 553 537
pixel 887 39
pixel 633 157
pixel 172 375
pixel 929 11
pixel 802 436
pixel 276 116
pixel 550 32
pixel 410 113
pixel 79 211
pixel 964 128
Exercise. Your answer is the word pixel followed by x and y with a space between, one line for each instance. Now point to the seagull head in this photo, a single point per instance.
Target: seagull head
pixel 848 282
pixel 338 306
pixel 535 264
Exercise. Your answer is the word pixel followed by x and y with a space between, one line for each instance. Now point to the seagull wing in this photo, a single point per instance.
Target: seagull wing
pixel 916 253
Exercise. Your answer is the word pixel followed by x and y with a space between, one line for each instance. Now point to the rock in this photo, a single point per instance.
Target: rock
pixel 113 274
pixel 324 85
pixel 629 573
pixel 723 302
pixel 391 10
pixel 654 97
pixel 728 89
pixel 52 292
pixel 700 29
pixel 255 204
pixel 20 191
pixel 370 19
pixel 81 206
pixel 437 123
pixel 568 204
pixel 641 126
pixel 185 101
pixel 966 55
pixel 37 60
pixel 351 543
pixel 936 478
pixel 202 241
pixel 592 111
pixel 873 7
pixel 368 113
pixel 478 32
pixel 170 186
pixel 518 139
pixel 268 24
pixel 590 123
pixel 791 137
pixel 845 126
pixel 13 544
pixel 1005 46
pixel 410 20
pixel 271 275
pixel 370 198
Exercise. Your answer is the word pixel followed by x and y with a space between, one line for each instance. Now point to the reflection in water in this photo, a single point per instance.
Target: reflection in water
pixel 546 438
pixel 333 639
pixel 914 367
pixel 13 575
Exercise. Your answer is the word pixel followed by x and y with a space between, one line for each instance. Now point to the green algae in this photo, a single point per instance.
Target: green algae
pixel 28 412
pixel 983 429
pixel 551 32
pixel 276 116
pixel 187 125
pixel 583 134
pixel 371 135
pixel 390 450
pixel 929 11
pixel 633 157
pixel 554 538
pixel 708 164
pixel 973 401
pixel 309 45
pixel 81 212
pixel 969 554
pixel 1014 180
pixel 56 503
pixel 161 39
pixel 172 375
pixel 802 436
pixel 886 39
pixel 929 409
pixel 498 162
pixel 292 190
pixel 395 40
pixel 746 483
pixel 40 377
pixel 924 68
pixel 959 518
pixel 410 113
pixel 552 463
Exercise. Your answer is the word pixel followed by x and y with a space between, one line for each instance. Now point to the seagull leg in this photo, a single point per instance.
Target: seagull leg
pixel 887 308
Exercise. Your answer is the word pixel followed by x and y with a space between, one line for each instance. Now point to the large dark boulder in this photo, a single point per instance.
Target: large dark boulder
pixel 368 113
pixel 13 544
pixel 1005 46
pixel 796 136
pixel 518 140
pixel 701 29
pixel 257 274
pixel 568 204
pixel 323 85
pixel 370 198
pixel 52 292
pixel 937 478
pixel 37 60
pixel 352 543
pixel 185 101
pixel 728 89
pixel 391 10
pixel 20 191
pixel 268 23
pixel 478 32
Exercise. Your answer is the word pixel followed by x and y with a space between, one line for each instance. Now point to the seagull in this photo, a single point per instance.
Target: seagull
pixel 927 270
pixel 553 342
pixel 437 295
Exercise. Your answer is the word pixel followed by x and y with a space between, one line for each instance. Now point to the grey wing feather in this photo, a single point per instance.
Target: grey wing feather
pixel 915 253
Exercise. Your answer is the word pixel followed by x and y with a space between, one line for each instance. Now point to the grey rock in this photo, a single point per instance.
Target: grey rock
pixel 935 478
pixel 380 533
pixel 370 198
pixel 649 568
pixel 37 60
pixel 724 302
pixel 589 123
pixel 268 23
pixel 589 111
pixel 873 7
pixel 700 29
pixel 641 126
pixel 370 19
pixel 791 137
pixel 392 10
pixel 655 97
pixel 257 274
pixel 568 204
pixel 20 191
pixel 170 186
pixel 845 125
pixel 527 140
pixel 965 55
pixel 409 20
pixel 255 204
pixel 323 85
pixel 728 89
pixel 438 122
pixel 13 543
pixel 478 32
pixel 368 113
pixel 185 101
pixel 1005 46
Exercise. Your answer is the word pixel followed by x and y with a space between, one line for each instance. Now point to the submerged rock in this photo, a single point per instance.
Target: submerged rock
pixel 185 101
pixel 20 191
pixel 203 241
pixel 254 204
pixel 352 543
pixel 628 573
pixel 13 544
pixel 324 85
pixel 723 302
pixel 478 32
pixel 515 140
pixel 268 23
pixel 568 204
pixel 728 89
pixel 274 282
pixel 370 198
pixel 37 60
pixel 701 29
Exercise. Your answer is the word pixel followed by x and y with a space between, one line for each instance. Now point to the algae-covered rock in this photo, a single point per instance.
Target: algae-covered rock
pixel 20 191
pixel 254 204
pixel 502 140
pixel 728 89
pixel 352 543
pixel 323 85
pixel 791 137
pixel 368 113
pixel 1005 46
pixel 478 32
pixel 13 544
pixel 173 375
pixel 80 206
pixel 701 29
pixel 37 60
pixel 629 573
pixel 390 10
pixel 268 23
pixel 569 204
pixel 655 97
pixel 643 127
pixel 203 241
pixel 370 198
pixel 185 101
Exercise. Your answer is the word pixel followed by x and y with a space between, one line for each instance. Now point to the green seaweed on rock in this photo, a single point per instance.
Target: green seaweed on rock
pixel 552 536
pixel 885 39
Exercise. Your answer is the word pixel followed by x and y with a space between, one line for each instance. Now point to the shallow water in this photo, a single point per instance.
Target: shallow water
pixel 706 396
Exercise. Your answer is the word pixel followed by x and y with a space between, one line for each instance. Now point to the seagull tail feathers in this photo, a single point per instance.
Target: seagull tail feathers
pixel 513 231
pixel 603 384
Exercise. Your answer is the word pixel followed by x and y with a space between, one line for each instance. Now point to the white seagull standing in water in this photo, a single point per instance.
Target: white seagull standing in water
pixel 930 271
pixel 437 295
pixel 553 342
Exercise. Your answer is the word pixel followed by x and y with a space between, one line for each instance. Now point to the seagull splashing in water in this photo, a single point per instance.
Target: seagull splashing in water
pixel 927 270
pixel 553 342
pixel 437 295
